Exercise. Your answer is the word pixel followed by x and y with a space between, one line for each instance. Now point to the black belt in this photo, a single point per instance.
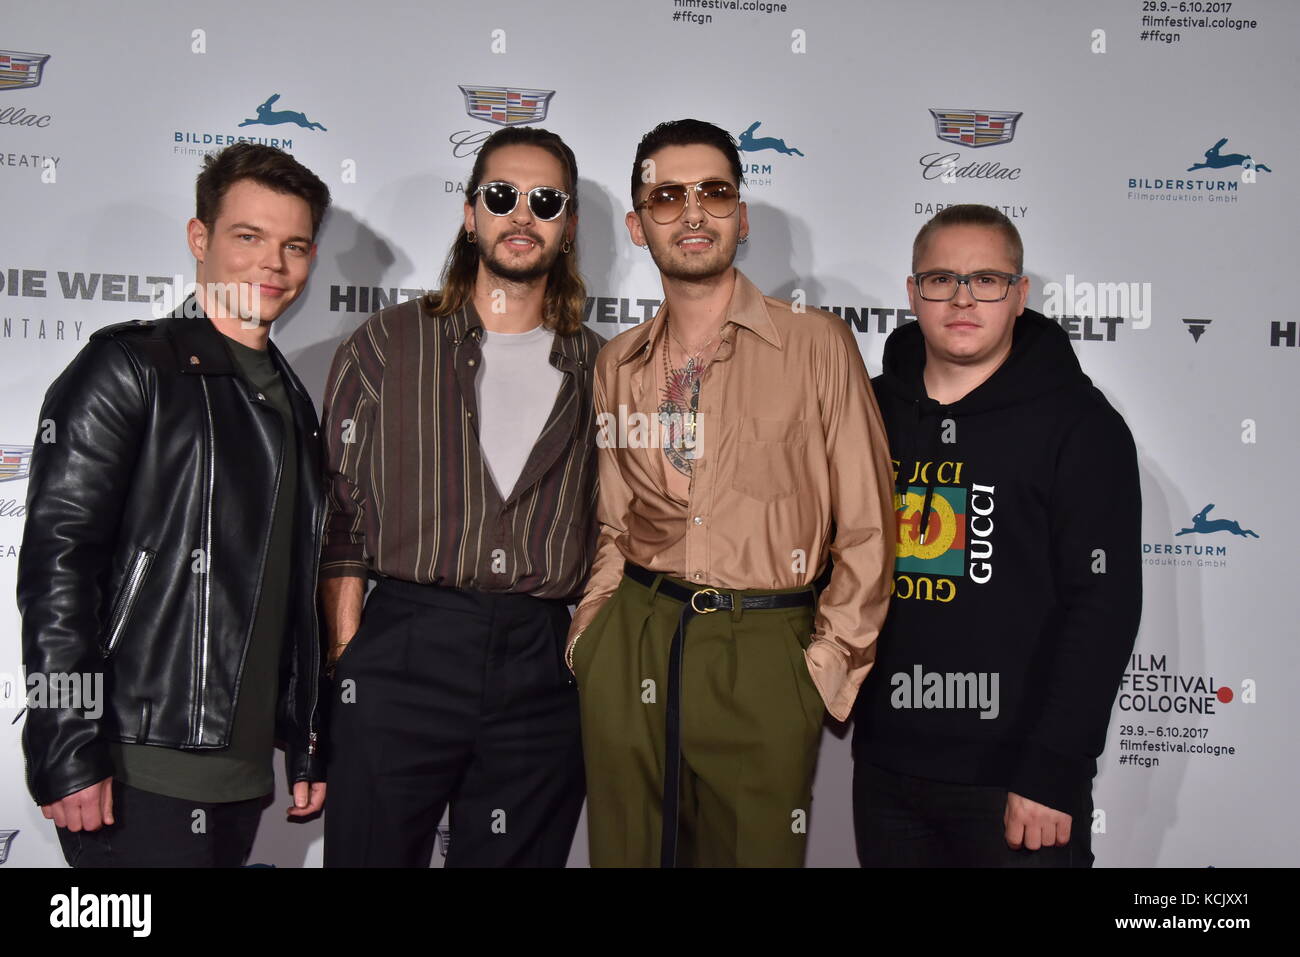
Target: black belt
pixel 695 601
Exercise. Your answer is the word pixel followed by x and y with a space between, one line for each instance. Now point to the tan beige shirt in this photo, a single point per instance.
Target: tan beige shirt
pixel 792 441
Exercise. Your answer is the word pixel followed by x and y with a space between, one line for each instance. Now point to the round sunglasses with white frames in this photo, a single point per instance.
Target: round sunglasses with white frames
pixel 545 202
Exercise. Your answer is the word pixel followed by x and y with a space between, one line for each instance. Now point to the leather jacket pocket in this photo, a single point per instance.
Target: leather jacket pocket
pixel 136 574
pixel 770 453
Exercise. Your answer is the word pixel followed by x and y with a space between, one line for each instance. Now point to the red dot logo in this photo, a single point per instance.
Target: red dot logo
pixel 1225 694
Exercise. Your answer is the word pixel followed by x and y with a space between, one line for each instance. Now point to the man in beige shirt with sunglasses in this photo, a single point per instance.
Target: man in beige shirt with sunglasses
pixel 740 449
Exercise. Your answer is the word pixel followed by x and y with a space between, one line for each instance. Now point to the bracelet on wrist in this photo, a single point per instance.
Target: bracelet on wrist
pixel 568 652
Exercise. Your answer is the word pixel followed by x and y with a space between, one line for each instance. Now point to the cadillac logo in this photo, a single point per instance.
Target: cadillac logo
pixel 7 836
pixel 975 127
pixel 506 105
pixel 20 70
pixel 15 462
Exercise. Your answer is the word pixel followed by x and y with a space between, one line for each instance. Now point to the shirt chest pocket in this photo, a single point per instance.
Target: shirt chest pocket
pixel 770 454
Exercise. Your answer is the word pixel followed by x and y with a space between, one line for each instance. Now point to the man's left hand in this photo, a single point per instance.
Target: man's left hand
pixel 308 798
pixel 1033 825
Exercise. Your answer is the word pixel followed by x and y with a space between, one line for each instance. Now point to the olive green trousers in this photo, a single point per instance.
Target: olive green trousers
pixel 751 721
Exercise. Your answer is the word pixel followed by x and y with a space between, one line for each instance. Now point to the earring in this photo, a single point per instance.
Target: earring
pixel 742 240
pixel 566 247
pixel 471 238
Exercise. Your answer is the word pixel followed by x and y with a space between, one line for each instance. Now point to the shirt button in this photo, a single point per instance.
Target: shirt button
pixel 469 415
pixel 471 362
pixel 699 576
pixel 698 520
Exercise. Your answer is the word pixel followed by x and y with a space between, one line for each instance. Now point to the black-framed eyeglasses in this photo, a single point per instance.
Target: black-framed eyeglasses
pixel 939 285
pixel 667 202
pixel 500 199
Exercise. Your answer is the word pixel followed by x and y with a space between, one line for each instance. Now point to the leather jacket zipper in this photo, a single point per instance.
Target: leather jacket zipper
pixel 315 635
pixel 275 504
pixel 205 594
pixel 314 677
pixel 134 579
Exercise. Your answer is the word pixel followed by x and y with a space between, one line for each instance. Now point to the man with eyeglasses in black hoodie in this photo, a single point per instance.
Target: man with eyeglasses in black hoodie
pixel 1017 584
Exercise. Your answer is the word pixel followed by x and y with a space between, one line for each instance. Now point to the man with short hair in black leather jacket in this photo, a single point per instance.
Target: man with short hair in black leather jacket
pixel 168 569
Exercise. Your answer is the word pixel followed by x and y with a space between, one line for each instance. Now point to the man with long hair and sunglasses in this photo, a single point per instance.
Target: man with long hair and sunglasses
pixel 740 448
pixel 460 450
pixel 1018 587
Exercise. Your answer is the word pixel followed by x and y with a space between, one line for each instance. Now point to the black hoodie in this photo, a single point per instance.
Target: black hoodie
pixel 1012 620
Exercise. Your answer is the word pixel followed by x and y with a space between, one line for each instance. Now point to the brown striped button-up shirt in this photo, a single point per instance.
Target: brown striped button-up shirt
pixel 410 494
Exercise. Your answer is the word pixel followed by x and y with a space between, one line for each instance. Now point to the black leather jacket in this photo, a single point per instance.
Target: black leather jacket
pixel 153 481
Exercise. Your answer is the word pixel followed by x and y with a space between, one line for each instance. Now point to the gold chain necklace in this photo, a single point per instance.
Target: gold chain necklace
pixel 685 351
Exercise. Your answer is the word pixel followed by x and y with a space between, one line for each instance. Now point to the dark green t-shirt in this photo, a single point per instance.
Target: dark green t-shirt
pixel 243 770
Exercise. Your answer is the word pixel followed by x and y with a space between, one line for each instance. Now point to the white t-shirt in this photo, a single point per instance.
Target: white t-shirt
pixel 516 388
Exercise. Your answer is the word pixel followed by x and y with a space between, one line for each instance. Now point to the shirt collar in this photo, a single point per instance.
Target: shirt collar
pixel 198 345
pixel 465 321
pixel 747 308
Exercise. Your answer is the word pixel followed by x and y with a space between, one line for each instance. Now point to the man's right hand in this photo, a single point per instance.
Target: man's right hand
pixel 86 810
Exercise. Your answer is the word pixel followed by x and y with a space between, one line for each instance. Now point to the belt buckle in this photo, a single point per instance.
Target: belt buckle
pixel 703 591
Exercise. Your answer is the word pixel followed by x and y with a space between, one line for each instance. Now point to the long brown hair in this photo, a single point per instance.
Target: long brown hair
pixel 566 294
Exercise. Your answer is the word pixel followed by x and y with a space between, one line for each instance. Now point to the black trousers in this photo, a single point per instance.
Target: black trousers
pixel 461 698
pixel 152 830
pixel 904 821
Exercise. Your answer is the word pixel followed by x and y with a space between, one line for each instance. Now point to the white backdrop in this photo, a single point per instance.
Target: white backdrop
pixel 97 167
